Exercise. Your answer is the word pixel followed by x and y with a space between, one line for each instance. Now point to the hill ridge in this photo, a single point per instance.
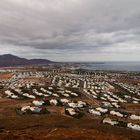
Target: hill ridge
pixel 7 60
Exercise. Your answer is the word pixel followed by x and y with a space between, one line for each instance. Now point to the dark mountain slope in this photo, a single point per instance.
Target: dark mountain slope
pixel 7 60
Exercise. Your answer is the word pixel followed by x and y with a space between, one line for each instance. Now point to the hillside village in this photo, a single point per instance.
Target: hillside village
pixel 112 97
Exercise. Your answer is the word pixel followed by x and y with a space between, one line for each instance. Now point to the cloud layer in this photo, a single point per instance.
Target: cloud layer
pixel 71 30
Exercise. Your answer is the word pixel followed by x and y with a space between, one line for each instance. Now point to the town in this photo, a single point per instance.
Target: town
pixel 111 97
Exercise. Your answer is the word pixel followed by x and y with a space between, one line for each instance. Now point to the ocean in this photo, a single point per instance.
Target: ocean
pixel 112 66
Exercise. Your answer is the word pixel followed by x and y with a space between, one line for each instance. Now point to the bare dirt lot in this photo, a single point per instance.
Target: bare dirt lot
pixel 134 81
pixel 55 126
pixel 5 75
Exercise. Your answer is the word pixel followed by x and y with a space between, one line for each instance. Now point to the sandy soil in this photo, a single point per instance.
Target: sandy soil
pixel 55 126
pixel 5 75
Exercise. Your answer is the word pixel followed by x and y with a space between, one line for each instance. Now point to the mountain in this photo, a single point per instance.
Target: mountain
pixel 7 60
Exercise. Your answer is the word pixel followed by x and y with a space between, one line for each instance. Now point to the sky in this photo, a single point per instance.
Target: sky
pixel 71 30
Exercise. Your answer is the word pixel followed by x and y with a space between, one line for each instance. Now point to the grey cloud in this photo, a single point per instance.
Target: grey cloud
pixel 70 27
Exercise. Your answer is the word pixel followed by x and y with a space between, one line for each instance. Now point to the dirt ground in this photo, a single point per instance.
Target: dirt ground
pixel 134 81
pixel 5 75
pixel 56 126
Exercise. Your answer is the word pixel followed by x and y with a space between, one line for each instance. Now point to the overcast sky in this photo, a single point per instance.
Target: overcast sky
pixel 71 30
